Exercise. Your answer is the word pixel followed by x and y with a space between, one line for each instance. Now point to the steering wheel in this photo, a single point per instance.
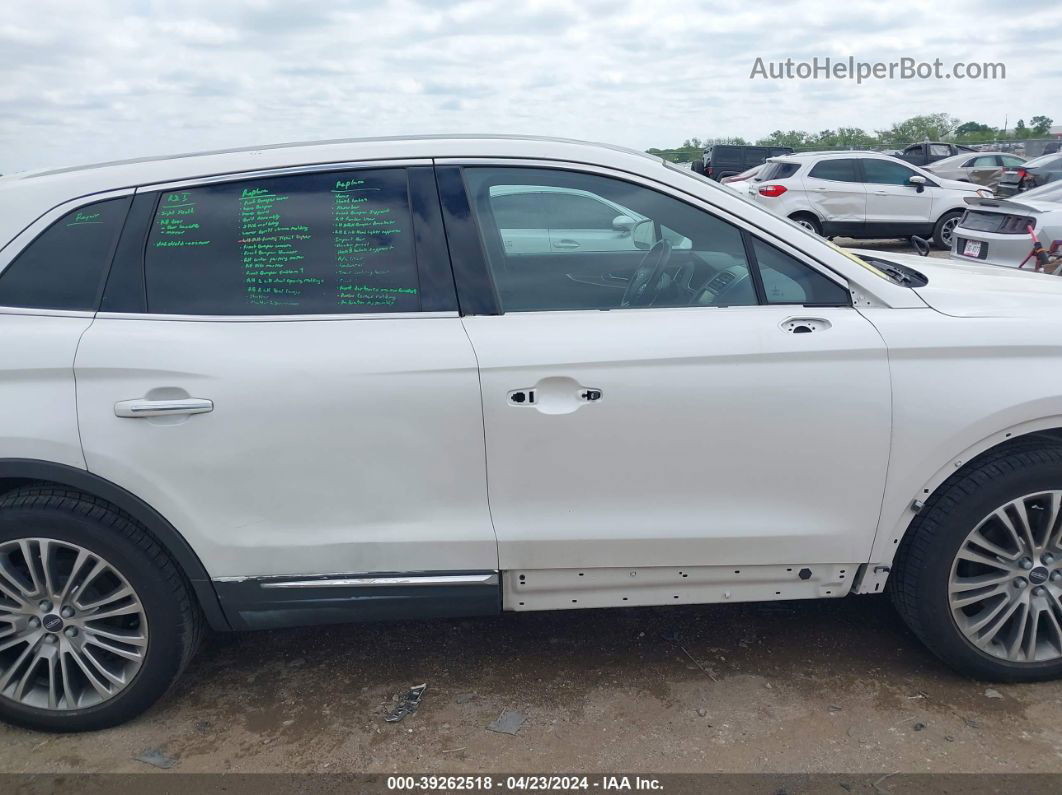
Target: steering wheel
pixel 645 283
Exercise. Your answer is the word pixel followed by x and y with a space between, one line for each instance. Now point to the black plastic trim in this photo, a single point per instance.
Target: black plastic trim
pixel 475 290
pixel 125 290
pixel 26 469
pixel 248 605
pixel 437 290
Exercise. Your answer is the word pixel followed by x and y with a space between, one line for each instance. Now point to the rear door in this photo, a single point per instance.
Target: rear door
pixel 284 377
pixel 837 195
pixel 692 429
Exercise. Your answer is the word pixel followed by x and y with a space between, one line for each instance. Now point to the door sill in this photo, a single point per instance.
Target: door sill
pixel 572 589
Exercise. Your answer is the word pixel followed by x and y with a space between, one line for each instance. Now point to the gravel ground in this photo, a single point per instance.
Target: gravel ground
pixel 816 686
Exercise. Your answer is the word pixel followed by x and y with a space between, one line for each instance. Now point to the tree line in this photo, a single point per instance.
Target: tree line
pixel 928 127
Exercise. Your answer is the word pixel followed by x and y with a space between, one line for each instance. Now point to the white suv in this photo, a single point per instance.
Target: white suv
pixel 309 384
pixel 862 195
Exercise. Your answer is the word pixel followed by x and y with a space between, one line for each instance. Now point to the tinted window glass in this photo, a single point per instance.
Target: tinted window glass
pixel 788 281
pixel 308 244
pixel 885 172
pixel 1010 161
pixel 777 171
pixel 518 210
pixel 984 161
pixel 939 150
pixel 664 254
pixel 836 170
pixel 572 211
pixel 64 267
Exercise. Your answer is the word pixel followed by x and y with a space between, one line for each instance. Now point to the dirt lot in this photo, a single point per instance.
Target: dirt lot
pixel 822 686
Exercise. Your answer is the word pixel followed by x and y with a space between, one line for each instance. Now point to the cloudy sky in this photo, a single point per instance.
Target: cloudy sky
pixel 83 82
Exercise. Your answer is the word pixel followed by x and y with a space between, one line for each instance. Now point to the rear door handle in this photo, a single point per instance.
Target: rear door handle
pixel 566 244
pixel 134 409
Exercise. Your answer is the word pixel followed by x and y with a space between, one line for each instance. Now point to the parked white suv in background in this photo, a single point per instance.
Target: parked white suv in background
pixel 862 195
pixel 308 384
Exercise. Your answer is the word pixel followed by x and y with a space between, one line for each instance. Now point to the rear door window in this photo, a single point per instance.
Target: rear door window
pixel 841 170
pixel 777 171
pixel 323 243
pixel 64 267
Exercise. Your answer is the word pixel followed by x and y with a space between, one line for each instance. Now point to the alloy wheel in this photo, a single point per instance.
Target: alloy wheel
pixel 947 230
pixel 1005 589
pixel 73 632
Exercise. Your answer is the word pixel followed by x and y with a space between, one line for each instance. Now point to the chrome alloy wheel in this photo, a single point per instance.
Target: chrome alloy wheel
pixel 73 632
pixel 1005 590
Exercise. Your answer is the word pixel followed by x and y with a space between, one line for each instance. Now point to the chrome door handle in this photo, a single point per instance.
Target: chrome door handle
pixel 566 244
pixel 162 408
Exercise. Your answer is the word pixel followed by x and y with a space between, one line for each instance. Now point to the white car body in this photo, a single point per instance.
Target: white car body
pixel 996 231
pixel 725 456
pixel 858 206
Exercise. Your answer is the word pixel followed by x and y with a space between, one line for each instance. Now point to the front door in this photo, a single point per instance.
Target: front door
pixel 894 204
pixel 703 424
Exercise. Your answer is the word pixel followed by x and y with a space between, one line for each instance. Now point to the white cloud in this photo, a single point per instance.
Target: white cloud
pixel 82 82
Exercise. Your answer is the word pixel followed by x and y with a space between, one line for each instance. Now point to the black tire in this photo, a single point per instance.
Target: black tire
pixel 938 230
pixel 174 619
pixel 807 220
pixel 919 581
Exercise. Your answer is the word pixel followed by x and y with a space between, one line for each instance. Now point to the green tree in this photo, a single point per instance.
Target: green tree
pixel 1040 125
pixel 792 138
pixel 973 130
pixel 1020 130
pixel 928 127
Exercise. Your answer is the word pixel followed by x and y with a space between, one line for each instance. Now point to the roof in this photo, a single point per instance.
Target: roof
pixel 302 152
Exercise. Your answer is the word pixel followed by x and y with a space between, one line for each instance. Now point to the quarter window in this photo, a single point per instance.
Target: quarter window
pixel 835 170
pixel 789 281
pixel 64 267
pixel 329 243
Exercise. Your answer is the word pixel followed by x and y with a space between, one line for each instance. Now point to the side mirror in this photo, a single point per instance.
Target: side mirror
pixel 623 223
pixel 918 181
pixel 643 234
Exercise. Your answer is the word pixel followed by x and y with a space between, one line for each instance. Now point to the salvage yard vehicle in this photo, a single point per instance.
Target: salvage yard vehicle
pixel 862 195
pixel 982 168
pixel 928 152
pixel 727 160
pixel 997 231
pixel 303 384
pixel 1032 174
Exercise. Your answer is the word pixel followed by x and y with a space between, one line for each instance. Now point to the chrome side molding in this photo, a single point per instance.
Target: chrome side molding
pixel 489 578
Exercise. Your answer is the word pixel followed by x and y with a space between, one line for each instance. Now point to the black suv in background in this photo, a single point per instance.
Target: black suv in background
pixel 726 160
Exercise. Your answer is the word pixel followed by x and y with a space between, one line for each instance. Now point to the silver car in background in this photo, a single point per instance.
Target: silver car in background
pixel 996 231
pixel 980 168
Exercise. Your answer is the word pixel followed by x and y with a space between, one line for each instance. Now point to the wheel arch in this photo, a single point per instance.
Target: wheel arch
pixel 873 575
pixel 17 472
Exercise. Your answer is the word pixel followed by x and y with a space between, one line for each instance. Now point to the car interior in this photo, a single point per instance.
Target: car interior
pixel 674 255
